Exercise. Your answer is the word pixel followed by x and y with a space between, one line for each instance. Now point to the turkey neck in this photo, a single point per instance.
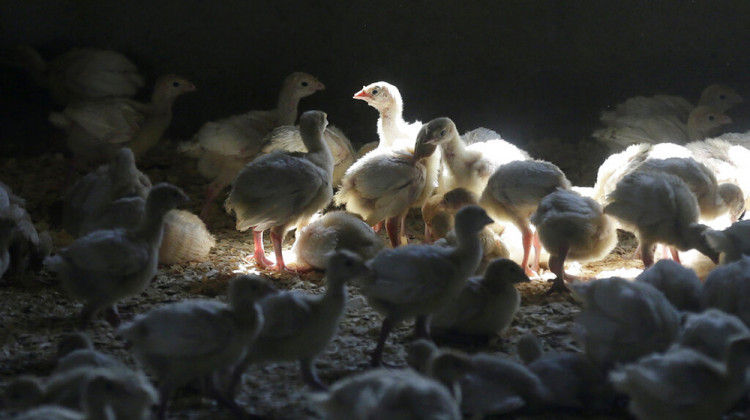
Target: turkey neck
pixel 317 150
pixel 159 115
pixel 468 252
pixel 336 289
pixel 694 130
pixel 151 227
pixel 389 124
pixel 452 149
pixel 286 107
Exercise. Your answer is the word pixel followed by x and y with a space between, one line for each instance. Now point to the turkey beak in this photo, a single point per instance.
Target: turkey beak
pixel 362 94
pixel 320 86
pixel 735 99
pixel 724 119
pixel 191 87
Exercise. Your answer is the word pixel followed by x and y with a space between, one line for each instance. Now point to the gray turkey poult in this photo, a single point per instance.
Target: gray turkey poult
pixel 106 266
pixel 281 190
pixel 415 281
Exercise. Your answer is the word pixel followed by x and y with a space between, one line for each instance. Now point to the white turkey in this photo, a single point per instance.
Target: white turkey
pixel 82 74
pixel 702 123
pixel 393 131
pixel 96 130
pixel 468 165
pixel 718 96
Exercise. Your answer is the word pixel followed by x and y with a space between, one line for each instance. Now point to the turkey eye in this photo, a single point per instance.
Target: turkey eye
pixel 176 84
pixel 442 132
pixel 711 118
pixel 722 97
pixel 304 84
pixel 374 92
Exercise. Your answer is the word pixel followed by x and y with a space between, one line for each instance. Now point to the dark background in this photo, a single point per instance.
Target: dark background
pixel 528 69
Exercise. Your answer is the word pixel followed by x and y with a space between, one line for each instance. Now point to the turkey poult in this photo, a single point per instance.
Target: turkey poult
pixel 488 385
pixel 97 130
pixel 113 197
pixel 727 288
pixel 82 74
pixel 711 332
pixel 715 199
pixel 439 210
pixel 6 231
pixel 334 231
pixel 438 214
pixel 288 137
pixel 225 146
pixel 75 350
pixel 387 182
pixel 572 227
pixel 186 238
pixel 679 284
pixel 513 193
pixel 468 166
pixel 106 266
pixel 299 326
pixel 684 384
pixel 625 131
pixel 387 394
pixel 393 131
pixel 617 165
pixel 22 393
pixel 731 243
pixel 66 389
pixel 282 190
pixel 417 280
pixel 103 397
pixel 623 320
pixel 87 204
pixel 728 157
pixel 486 305
pixel 195 339
pixel 660 208
pixel 25 246
pixel 400 173
pixel 718 96
pixel 570 379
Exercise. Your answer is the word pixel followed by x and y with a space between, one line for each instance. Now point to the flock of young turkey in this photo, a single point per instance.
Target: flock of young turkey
pixel 676 347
